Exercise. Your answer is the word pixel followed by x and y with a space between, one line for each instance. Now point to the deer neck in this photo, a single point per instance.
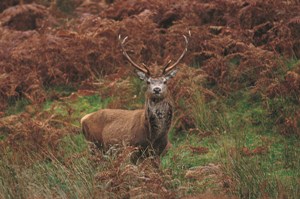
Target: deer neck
pixel 159 113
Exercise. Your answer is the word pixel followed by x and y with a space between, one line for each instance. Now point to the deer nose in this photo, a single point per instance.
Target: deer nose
pixel 157 90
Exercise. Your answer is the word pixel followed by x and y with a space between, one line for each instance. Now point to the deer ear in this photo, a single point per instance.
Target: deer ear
pixel 141 75
pixel 171 74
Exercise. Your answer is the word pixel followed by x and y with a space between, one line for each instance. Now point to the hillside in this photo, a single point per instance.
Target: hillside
pixel 237 118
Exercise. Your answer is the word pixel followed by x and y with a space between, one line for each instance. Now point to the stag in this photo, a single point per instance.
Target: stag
pixel 144 128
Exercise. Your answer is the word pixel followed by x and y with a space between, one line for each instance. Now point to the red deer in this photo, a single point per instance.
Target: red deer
pixel 145 128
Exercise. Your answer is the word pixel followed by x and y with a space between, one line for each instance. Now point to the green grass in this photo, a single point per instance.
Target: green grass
pixel 56 176
pixel 73 110
pixel 290 64
pixel 208 116
pixel 245 123
pixel 227 128
pixel 65 171
pixel 241 122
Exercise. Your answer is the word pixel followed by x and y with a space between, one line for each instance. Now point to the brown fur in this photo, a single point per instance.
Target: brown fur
pixel 146 128
pixel 107 127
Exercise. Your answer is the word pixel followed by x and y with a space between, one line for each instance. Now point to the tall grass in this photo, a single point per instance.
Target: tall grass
pixel 236 149
pixel 264 176
pixel 256 161
pixel 48 174
pixel 65 170
pixel 208 116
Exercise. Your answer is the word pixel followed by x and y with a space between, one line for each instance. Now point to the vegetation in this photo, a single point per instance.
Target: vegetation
pixel 236 127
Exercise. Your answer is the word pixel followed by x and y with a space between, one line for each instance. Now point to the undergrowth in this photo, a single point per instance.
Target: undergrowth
pixel 237 119
pixel 236 148
pixel 65 170
pixel 256 161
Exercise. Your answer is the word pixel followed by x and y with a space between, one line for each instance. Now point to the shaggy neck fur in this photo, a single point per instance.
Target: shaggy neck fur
pixel 159 112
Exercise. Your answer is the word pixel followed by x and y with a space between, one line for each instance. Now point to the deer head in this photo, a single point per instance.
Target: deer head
pixel 156 79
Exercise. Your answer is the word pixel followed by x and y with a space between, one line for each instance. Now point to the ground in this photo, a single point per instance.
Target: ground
pixel 235 132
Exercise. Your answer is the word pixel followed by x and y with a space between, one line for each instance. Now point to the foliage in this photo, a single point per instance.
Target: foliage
pixel 236 125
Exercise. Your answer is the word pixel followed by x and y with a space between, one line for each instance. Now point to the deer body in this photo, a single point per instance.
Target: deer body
pixel 145 128
pixel 113 126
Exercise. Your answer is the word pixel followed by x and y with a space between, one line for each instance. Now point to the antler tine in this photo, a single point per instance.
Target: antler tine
pixel 144 68
pixel 167 64
pixel 168 68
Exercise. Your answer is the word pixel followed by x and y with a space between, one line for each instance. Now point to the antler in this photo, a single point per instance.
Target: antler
pixel 168 68
pixel 144 68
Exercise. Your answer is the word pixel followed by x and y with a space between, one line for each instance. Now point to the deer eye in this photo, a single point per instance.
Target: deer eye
pixel 165 81
pixel 148 81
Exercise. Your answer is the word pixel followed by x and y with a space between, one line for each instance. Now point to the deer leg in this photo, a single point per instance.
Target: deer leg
pixel 162 145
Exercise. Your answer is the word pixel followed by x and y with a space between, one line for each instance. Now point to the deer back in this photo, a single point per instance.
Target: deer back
pixel 115 126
